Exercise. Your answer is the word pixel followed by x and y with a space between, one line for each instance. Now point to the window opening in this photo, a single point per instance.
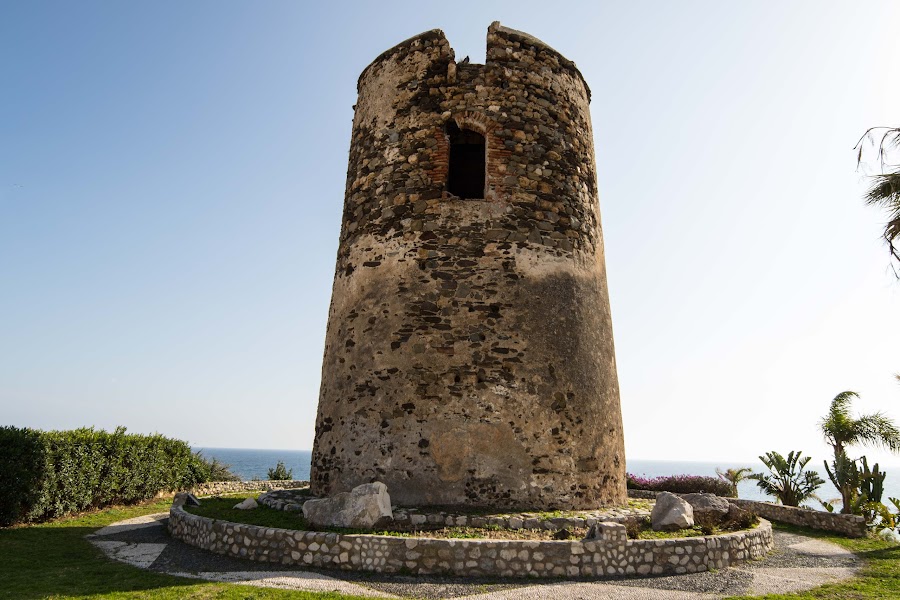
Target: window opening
pixel 467 157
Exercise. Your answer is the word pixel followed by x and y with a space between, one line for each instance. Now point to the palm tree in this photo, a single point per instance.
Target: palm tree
pixel 787 481
pixel 841 431
pixel 734 477
pixel 885 189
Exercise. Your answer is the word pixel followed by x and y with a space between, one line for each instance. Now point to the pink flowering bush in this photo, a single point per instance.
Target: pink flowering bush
pixel 679 484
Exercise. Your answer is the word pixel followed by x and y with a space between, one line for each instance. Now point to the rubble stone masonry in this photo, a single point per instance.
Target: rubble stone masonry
pixel 469 355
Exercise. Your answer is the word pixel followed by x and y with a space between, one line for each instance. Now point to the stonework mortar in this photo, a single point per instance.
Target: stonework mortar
pixel 469 355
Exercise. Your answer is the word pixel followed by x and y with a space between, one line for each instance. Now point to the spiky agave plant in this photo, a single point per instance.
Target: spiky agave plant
pixel 787 480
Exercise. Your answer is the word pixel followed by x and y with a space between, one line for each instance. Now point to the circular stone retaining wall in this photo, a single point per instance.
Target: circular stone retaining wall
pixel 613 555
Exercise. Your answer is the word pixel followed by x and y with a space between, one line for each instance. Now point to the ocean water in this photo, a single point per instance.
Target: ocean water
pixel 255 464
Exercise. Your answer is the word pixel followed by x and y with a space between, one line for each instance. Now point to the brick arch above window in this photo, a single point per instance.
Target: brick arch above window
pixel 496 154
pixel 475 122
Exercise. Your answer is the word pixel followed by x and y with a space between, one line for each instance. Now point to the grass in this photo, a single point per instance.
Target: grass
pixel 879 577
pixel 53 560
pixel 649 534
pixel 222 508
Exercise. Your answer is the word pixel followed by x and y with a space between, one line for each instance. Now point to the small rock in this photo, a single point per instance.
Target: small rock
pixel 247 504
pixel 671 513
pixel 562 534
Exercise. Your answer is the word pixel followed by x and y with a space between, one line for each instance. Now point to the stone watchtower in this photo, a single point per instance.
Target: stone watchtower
pixel 469 356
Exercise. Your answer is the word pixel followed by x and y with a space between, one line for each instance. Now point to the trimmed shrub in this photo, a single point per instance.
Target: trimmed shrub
pixel 680 484
pixel 47 474
pixel 22 458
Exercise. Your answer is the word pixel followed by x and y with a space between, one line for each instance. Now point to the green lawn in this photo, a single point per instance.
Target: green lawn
pixel 53 560
pixel 223 509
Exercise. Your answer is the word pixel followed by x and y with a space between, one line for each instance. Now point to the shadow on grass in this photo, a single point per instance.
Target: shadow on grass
pixel 892 553
pixel 42 561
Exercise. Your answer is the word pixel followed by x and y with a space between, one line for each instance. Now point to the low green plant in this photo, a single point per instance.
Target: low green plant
pixel 634 526
pixel 707 523
pixel 741 519
pixel 787 479
pixel 280 473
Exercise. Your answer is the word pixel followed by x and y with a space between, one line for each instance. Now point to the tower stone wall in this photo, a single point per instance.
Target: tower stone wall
pixel 469 354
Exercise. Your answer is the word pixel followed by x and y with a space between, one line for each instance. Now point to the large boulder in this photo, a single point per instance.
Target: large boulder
pixel 362 507
pixel 707 506
pixel 670 513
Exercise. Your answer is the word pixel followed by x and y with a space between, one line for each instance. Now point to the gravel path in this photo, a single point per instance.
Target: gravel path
pixel 796 563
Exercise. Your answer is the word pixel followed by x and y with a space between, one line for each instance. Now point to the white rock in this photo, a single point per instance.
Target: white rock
pixel 247 504
pixel 363 506
pixel 670 513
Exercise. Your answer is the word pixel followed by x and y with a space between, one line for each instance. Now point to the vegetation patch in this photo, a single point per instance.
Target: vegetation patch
pixel 680 484
pixel 222 508
pixel 47 474
pixel 54 560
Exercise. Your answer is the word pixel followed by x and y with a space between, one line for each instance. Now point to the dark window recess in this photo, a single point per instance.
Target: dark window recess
pixel 466 177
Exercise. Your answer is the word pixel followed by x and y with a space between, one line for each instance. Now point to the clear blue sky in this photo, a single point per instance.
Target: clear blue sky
pixel 172 175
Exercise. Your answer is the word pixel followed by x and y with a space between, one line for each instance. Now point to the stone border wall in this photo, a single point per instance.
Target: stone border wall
pixel 613 555
pixel 642 494
pixel 227 487
pixel 849 525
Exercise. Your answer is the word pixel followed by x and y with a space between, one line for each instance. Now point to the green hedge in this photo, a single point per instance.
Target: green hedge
pixel 47 474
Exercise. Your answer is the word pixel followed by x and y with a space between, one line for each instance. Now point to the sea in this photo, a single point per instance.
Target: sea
pixel 255 464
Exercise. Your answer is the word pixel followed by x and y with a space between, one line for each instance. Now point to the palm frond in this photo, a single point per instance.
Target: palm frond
pixel 878 430
pixel 837 423
pixel 884 191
